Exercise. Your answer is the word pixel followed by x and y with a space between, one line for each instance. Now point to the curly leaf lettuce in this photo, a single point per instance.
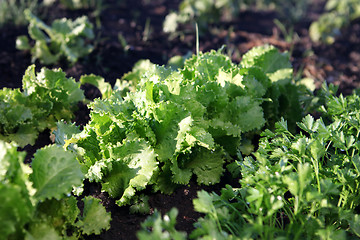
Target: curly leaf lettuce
pixel 176 123
pixel 47 96
pixel 64 38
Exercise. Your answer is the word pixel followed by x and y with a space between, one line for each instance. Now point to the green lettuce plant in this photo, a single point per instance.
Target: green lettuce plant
pixel 46 97
pixel 65 38
pixel 177 124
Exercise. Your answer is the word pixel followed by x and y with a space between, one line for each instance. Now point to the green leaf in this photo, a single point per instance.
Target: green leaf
pixel 298 182
pixel 355 224
pixel 15 210
pixel 139 160
pixel 204 202
pixel 276 65
pixel 55 172
pixel 168 116
pixel 207 165
pixel 140 205
pixel 94 218
pixel 42 231
pixel 23 136
pixel 281 126
pixel 64 132
pixel 308 124
pixel 180 175
pixel 317 150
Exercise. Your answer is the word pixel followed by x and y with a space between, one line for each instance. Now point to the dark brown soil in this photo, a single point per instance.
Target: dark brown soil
pixel 338 64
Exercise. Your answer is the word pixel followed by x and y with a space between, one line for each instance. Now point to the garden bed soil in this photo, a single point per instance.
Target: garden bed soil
pixel 338 63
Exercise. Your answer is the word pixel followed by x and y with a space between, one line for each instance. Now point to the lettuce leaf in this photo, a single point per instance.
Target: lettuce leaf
pixel 36 202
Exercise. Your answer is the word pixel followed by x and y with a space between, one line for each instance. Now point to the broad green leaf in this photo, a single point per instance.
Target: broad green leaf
pixel 13 170
pixel 23 136
pixel 94 218
pixel 207 165
pixel 55 172
pixel 139 160
pixel 117 179
pixel 204 202
pixel 168 117
pixel 180 175
pixel 250 115
pixel 42 231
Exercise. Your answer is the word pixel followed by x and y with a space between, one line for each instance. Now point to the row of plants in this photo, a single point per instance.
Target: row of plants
pixel 337 15
pixel 71 40
pixel 164 127
pixel 160 126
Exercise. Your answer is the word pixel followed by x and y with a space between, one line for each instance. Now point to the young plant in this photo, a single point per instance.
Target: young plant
pixel 202 12
pixel 178 123
pixel 46 97
pixel 36 202
pixel 339 15
pixel 64 39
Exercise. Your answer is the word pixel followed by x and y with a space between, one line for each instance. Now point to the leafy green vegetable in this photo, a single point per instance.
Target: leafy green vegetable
pixel 177 124
pixel 36 202
pixel 64 38
pixel 47 96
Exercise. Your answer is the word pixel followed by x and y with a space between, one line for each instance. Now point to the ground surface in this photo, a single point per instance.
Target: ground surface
pixel 338 64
